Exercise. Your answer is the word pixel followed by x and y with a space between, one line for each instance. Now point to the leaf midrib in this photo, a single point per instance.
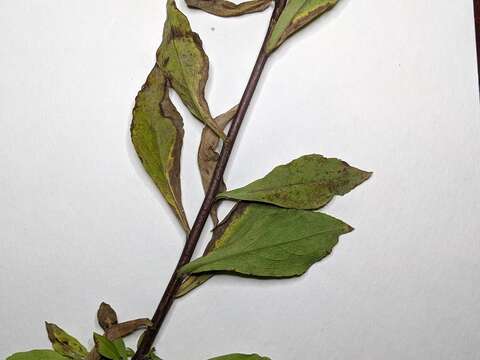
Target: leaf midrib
pixel 237 253
pixel 183 73
pixel 279 187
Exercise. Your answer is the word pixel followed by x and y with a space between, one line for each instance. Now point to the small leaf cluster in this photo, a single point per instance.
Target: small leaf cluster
pixel 110 345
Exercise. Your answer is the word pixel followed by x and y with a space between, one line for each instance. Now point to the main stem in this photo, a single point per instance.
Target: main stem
pixel 476 9
pixel 202 216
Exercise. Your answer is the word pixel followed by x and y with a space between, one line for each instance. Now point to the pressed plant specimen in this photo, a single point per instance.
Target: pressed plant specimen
pixel 273 230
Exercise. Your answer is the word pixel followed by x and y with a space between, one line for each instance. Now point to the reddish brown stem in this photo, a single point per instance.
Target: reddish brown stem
pixel 476 9
pixel 210 195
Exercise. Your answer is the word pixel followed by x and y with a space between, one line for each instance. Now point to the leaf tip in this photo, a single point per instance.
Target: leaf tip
pixel 96 337
pixel 50 330
pixel 106 316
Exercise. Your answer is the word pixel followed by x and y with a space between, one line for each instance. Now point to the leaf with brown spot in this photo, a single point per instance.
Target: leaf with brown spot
pixel 65 344
pixel 227 8
pixel 185 64
pixel 157 134
pixel 296 15
pixel 308 182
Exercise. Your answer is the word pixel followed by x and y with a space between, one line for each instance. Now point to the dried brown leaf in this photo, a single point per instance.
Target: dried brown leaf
pixel 107 317
pixel 207 160
pixel 226 8
pixel 123 329
pixel 208 156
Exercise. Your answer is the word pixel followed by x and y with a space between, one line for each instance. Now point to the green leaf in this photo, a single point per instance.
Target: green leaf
pixel 157 134
pixel 226 8
pixel 308 182
pixel 240 357
pixel 114 350
pixel 121 348
pixel 185 64
pixel 37 355
pixel 65 344
pixel 268 241
pixel 296 15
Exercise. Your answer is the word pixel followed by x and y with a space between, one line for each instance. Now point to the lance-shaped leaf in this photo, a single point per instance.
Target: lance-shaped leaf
pixel 208 156
pixel 240 357
pixel 308 182
pixel 227 8
pixel 37 355
pixel 295 16
pixel 268 241
pixel 185 64
pixel 65 344
pixel 157 134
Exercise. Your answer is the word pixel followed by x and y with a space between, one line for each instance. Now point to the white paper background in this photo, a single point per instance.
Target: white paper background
pixel 389 86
